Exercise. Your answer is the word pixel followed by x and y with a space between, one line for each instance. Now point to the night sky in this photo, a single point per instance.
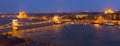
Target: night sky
pixel 46 6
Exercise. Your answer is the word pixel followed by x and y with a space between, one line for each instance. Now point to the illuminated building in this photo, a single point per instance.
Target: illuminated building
pixel 99 20
pixel 56 19
pixel 81 15
pixel 109 10
pixel 115 16
pixel 22 15
pixel 44 18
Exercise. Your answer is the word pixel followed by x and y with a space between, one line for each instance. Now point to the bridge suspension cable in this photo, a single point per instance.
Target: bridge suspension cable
pixel 6 26
pixel 17 23
pixel 26 23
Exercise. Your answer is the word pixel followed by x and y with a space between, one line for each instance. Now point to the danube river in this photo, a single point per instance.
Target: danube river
pixel 74 34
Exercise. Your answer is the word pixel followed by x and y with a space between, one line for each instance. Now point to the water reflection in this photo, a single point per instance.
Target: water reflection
pixel 74 35
pixel 97 26
pixel 57 28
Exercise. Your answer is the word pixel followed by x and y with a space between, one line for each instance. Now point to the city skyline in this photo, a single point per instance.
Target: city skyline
pixel 48 6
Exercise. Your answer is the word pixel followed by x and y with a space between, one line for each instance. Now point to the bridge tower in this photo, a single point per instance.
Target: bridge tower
pixel 14 27
pixel 22 15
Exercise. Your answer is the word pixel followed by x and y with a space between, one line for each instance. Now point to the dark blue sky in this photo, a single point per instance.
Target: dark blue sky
pixel 43 6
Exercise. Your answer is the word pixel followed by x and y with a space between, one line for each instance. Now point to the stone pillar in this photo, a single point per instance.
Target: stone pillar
pixel 14 27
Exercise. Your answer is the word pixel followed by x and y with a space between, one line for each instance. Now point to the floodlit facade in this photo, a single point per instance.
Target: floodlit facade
pixel 22 15
pixel 109 10
pixel 81 15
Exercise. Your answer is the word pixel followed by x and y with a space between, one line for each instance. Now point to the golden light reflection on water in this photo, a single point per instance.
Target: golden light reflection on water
pixel 45 29
pixel 57 28
pixel 13 33
pixel 97 26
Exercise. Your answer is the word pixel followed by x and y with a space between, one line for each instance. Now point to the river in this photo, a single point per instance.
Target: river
pixel 75 34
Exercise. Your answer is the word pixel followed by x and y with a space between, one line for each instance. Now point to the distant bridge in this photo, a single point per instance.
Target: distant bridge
pixel 16 23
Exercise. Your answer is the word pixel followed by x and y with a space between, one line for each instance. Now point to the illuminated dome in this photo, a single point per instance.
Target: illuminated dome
pixel 109 10
pixel 22 15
